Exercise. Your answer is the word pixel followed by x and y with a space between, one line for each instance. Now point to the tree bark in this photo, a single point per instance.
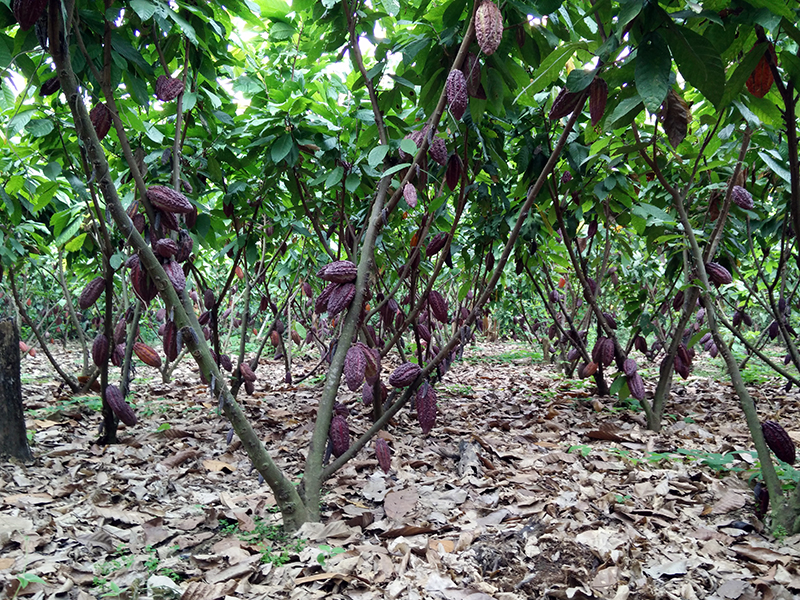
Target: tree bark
pixel 13 440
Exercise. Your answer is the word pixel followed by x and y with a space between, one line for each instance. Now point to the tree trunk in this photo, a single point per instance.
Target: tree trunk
pixel 13 441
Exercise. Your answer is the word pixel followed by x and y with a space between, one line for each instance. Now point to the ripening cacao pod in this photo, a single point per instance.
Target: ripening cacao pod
pixel 367 394
pixel 598 95
pixel 170 340
pixel 147 355
pixel 165 247
pixel 321 304
pixel 761 79
pixel 453 172
pixel 372 368
pixel 636 386
pixel 341 298
pixel 456 89
pixel 717 274
pixel 168 88
pixel 629 367
pixel 204 317
pixel 340 435
pixel 341 271
pixel 742 198
pixel 762 500
pixel 175 274
pixel 779 441
pixel 404 375
pixel 587 370
pixel 677 301
pixel 120 331
pixel 249 387
pixel 121 408
pixel 307 290
pixel 383 454
pixel 488 27
pixel 610 320
pixel 607 352
pixel 208 299
pixel 573 354
pixel 640 344
pixel 426 407
pixel 564 104
pixel 472 74
pixel 118 355
pixel 91 292
pixel 101 120
pixel 424 332
pixel 436 244
pixel 226 363
pixel 185 246
pixel 355 364
pixel 168 200
pixel 51 86
pixel 438 305
pixel 27 12
pixel 246 372
pixel 100 350
pixel 438 150
pixel 410 195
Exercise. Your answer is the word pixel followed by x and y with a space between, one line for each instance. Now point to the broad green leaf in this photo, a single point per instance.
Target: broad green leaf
pixel 143 8
pixel 625 112
pixel 653 67
pixel 772 160
pixel 39 127
pixel 392 7
pixel 334 177
pixel 378 153
pixel 281 148
pixel 395 169
pixel 742 73
pixel 75 244
pixel 698 61
pixel 551 68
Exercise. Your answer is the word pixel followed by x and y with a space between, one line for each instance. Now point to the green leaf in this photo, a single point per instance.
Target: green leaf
pixel 378 153
pixel 578 79
pixel 75 244
pixel 281 148
pixel 698 61
pixel 778 7
pixel 39 127
pixel 551 68
pixel 334 177
pixel 143 8
pixel 653 68
pixel 281 31
pixel 742 73
pixel 352 182
pixel 408 146
pixel 776 166
pixel 395 169
pixel 392 7
pixel 625 112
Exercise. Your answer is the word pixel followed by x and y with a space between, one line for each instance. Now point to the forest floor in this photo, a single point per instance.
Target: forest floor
pixel 528 487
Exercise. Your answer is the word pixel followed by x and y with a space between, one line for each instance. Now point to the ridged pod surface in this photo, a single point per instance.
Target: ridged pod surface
pixel 91 292
pixel 175 274
pixel 457 97
pixel 438 305
pixel 717 274
pixel 383 454
pixel 779 441
pixel 640 344
pixel 742 198
pixel 118 355
pixel 636 386
pixel 598 96
pixel 340 435
pixel 761 79
pixel 629 367
pixel 472 73
pixel 27 12
pixel 341 271
pixel 355 363
pixel 147 354
pixel 247 372
pixel 438 150
pixel 100 348
pixel 170 340
pixel 426 407
pixel 404 375
pixel 488 27
pixel 121 408
pixel 168 200
pixel 168 88
pixel 564 104
pixel 165 247
pixel 436 244
pixel 51 86
pixel 341 298
pixel 100 117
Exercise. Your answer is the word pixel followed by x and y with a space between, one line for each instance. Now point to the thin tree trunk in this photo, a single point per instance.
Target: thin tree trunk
pixel 13 439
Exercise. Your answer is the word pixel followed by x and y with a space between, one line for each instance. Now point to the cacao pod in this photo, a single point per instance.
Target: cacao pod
pixel 121 409
pixel 607 352
pixel 118 355
pixel 168 88
pixel 762 500
pixel 147 355
pixel 717 274
pixel 168 200
pixel 472 74
pixel 208 299
pixel 100 350
pixel 249 387
pixel 246 372
pixel 165 247
pixel 456 89
pixel 91 292
pixel 453 172
pixel 170 340
pixel 598 95
pixel 636 386
pixel 340 435
pixel 761 79
pixel 438 305
pixel 101 120
pixel 488 27
pixel 564 104
pixel 677 301
pixel 341 298
pixel 27 12
pixel 355 364
pixel 410 195
pixel 120 331
pixel 51 86
pixel 779 441
pixel 321 304
pixel 438 150
pixel 176 277
pixel 742 198
pixel 640 344
pixel 367 394
pixel 341 271
pixel 404 375
pixel 226 362
pixel 629 367
pixel 383 454
pixel 426 407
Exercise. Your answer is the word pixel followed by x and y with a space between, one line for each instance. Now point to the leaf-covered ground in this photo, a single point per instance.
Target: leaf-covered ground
pixel 528 487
